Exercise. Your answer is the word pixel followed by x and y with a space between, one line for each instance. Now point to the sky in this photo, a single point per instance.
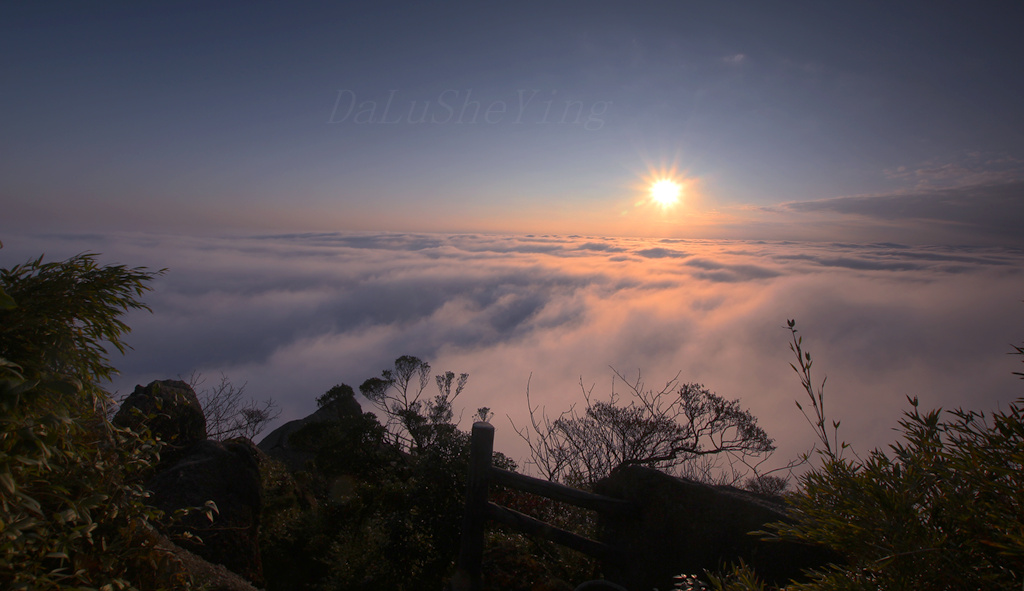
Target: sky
pixel 333 185
pixel 872 120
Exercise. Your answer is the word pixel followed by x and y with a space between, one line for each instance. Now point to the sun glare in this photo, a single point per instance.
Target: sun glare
pixel 665 192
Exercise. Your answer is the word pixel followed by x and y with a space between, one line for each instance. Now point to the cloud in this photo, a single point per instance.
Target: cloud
pixel 855 263
pixel 660 253
pixel 730 273
pixel 601 247
pixel 972 169
pixel 988 211
pixel 292 315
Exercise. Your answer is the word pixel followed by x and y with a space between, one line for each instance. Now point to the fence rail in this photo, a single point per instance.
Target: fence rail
pixel 558 492
pixel 478 510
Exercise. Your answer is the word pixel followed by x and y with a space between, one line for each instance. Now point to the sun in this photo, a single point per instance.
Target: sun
pixel 665 192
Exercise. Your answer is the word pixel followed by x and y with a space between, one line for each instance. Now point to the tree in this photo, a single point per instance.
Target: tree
pixel 681 426
pixel 413 422
pixel 72 506
pixel 229 413
pixel 337 393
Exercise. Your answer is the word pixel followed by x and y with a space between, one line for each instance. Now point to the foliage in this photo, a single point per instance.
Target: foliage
pixel 304 514
pixel 682 426
pixel 766 484
pixel 349 445
pixel 412 421
pixel 741 577
pixel 514 560
pixel 228 414
pixel 373 502
pixel 72 507
pixel 940 509
pixel 65 313
pixel 337 392
pixel 414 512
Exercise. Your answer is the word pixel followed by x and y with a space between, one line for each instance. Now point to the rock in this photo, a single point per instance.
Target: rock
pixel 226 473
pixel 171 411
pixel 277 446
pixel 686 527
pixel 170 564
pixel 194 470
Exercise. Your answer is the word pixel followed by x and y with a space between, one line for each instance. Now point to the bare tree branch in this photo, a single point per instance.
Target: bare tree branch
pixel 683 427
pixel 229 413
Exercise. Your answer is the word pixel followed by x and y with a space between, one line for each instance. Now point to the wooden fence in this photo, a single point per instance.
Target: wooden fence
pixel 478 510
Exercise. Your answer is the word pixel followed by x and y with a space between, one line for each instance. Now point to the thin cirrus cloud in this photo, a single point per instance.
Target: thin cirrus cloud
pixel 292 315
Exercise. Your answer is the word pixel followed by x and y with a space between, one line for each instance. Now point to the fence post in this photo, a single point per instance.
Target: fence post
pixel 467 573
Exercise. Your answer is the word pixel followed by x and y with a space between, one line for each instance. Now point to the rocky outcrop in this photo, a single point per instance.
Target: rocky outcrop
pixel 278 446
pixel 686 527
pixel 193 471
pixel 171 411
pixel 228 474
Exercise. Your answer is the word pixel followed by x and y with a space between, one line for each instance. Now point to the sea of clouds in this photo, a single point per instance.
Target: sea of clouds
pixel 292 315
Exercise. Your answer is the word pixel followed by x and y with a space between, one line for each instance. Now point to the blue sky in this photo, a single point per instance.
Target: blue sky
pixel 514 117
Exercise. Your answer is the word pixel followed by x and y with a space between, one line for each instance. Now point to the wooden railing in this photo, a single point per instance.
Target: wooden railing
pixel 478 510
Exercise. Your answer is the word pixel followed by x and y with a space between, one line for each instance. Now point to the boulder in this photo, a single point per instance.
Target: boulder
pixel 277 445
pixel 226 473
pixel 686 527
pixel 194 470
pixel 171 411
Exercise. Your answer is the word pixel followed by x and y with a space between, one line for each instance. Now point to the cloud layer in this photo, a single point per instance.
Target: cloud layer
pixel 991 212
pixel 292 315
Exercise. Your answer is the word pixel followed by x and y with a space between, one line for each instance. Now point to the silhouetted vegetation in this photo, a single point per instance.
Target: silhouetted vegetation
pixel 942 508
pixel 229 413
pixel 414 421
pixel 373 497
pixel 681 427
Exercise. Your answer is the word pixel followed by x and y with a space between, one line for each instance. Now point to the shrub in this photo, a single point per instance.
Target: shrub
pixel 72 510
pixel 941 511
